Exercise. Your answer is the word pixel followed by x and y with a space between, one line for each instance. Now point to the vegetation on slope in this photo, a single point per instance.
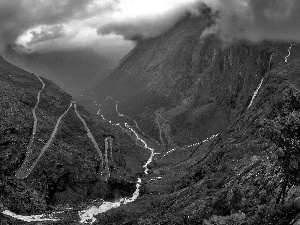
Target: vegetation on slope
pixel 67 172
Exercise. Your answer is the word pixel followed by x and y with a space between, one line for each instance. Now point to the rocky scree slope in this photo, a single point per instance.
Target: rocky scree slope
pixel 68 171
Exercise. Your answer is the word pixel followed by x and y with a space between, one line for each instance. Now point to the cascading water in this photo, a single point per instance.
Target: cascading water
pixel 255 93
pixel 289 53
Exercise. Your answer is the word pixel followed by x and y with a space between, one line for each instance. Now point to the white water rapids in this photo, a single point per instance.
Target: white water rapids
pixel 33 218
pixel 87 216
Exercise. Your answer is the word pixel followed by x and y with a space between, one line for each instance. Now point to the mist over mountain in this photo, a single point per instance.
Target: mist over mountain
pixel 198 124
pixel 75 70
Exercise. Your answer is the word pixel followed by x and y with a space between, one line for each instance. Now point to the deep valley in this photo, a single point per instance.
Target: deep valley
pixel 186 130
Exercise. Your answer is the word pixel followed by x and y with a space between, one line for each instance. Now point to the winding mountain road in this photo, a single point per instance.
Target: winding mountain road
pixel 88 216
pixel 160 129
pixel 90 135
pixel 191 145
pixel 122 115
pixel 24 170
pixel 108 145
pixel 34 109
pixel 35 122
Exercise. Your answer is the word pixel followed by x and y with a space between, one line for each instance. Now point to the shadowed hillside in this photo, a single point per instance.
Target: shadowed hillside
pixel 76 71
pixel 248 93
pixel 198 84
pixel 68 171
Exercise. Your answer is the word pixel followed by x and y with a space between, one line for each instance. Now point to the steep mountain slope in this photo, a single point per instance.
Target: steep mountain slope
pixel 249 174
pixel 184 87
pixel 226 116
pixel 72 70
pixel 69 170
pixel 197 83
pixel 181 76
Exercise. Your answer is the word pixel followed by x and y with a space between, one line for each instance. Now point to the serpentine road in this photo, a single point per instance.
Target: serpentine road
pixel 24 171
pixel 35 122
pixel 34 109
pixel 160 128
pixel 122 115
pixel 87 216
pixel 108 145
pixel 90 135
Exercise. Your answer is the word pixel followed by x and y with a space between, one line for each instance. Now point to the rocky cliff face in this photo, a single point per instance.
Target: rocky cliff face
pixel 249 173
pixel 198 83
pixel 68 171
pixel 247 92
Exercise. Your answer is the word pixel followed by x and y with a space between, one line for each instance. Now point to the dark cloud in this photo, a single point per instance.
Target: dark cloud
pixel 18 16
pixel 256 20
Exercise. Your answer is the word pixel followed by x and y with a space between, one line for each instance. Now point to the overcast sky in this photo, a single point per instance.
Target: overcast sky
pixel 109 26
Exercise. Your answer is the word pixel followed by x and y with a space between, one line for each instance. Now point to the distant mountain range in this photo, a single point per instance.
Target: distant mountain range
pixel 74 70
